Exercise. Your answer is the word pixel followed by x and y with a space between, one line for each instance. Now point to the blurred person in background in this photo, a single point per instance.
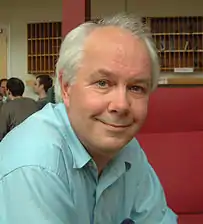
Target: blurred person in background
pixel 3 89
pixel 51 95
pixel 17 109
pixel 41 86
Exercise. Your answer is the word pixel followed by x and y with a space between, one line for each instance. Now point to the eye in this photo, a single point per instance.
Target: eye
pixel 138 89
pixel 102 83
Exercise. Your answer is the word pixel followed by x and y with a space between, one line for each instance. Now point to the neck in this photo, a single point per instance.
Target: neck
pixel 15 97
pixel 42 95
pixel 101 161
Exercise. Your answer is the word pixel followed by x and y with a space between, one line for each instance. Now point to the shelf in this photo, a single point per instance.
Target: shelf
pixel 185 81
pixel 181 51
pixel 175 34
pixel 36 72
pixel 177 51
pixel 179 41
pixel 44 38
pixel 42 55
pixel 44 41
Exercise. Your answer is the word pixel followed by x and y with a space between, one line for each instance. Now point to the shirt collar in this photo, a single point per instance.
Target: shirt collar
pixel 79 153
pixel 125 157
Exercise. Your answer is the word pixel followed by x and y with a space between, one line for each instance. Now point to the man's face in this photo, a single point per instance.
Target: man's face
pixel 37 87
pixel 3 88
pixel 107 103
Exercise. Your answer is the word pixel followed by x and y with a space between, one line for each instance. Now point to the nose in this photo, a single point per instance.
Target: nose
pixel 119 102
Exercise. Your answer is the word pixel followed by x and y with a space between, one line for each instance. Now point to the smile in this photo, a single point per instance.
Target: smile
pixel 119 126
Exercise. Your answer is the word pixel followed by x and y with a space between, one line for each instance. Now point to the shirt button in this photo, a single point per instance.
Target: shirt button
pixel 164 210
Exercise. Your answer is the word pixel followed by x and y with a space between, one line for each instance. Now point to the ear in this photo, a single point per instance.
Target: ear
pixel 8 92
pixel 65 89
pixel 42 86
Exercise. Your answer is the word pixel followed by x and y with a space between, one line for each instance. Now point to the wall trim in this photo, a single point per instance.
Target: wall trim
pixel 7 28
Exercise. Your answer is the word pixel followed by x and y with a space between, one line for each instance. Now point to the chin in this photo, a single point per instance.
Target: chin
pixel 114 145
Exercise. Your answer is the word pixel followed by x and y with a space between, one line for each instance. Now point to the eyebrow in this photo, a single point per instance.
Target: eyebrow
pixel 102 73
pixel 106 73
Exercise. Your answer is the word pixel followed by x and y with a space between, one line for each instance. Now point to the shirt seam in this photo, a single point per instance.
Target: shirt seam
pixel 31 166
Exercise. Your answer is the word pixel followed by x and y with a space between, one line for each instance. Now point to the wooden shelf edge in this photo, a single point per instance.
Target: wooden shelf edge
pixel 183 80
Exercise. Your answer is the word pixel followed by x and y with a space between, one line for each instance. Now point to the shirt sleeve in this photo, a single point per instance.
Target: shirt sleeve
pixel 36 196
pixel 150 204
pixel 4 120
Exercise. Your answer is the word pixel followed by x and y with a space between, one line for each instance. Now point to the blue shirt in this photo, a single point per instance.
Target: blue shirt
pixel 47 177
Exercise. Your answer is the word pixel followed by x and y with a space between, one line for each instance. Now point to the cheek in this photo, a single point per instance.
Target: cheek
pixel 94 104
pixel 88 103
pixel 140 109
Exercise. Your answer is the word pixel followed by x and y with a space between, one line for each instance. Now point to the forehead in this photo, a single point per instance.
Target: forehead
pixel 116 49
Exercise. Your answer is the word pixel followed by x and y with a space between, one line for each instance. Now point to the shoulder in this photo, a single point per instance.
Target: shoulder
pixel 28 99
pixel 39 141
pixel 30 102
pixel 134 154
pixel 6 107
pixel 141 169
pixel 20 101
pixel 6 104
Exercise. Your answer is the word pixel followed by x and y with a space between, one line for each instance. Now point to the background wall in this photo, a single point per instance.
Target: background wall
pixel 16 15
pixel 148 8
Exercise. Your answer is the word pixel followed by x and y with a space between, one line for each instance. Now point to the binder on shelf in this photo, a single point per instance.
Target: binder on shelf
pixel 186 45
pixel 162 45
pixel 172 44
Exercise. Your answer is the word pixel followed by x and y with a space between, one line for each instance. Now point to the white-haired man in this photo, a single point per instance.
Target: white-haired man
pixel 79 161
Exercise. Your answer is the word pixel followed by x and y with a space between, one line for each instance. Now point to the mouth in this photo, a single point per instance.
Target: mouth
pixel 116 126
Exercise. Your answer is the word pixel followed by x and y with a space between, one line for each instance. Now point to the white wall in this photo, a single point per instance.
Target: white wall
pixel 16 15
pixel 166 7
pixel 148 8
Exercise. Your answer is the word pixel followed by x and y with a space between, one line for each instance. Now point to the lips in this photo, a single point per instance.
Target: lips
pixel 115 125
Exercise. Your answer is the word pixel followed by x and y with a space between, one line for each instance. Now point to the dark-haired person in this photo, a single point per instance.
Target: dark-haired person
pixel 17 109
pixel 3 89
pixel 41 87
pixel 51 95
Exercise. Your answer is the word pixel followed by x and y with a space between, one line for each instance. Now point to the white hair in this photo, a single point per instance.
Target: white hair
pixel 71 51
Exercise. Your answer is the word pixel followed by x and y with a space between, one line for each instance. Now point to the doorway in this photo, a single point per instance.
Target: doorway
pixel 3 52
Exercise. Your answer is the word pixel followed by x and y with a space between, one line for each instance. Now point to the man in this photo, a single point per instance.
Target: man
pixel 51 95
pixel 41 87
pixel 1 100
pixel 17 109
pixel 82 163
pixel 1 97
pixel 3 89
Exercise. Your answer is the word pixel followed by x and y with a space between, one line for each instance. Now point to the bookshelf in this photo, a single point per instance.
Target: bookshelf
pixel 179 42
pixel 43 41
